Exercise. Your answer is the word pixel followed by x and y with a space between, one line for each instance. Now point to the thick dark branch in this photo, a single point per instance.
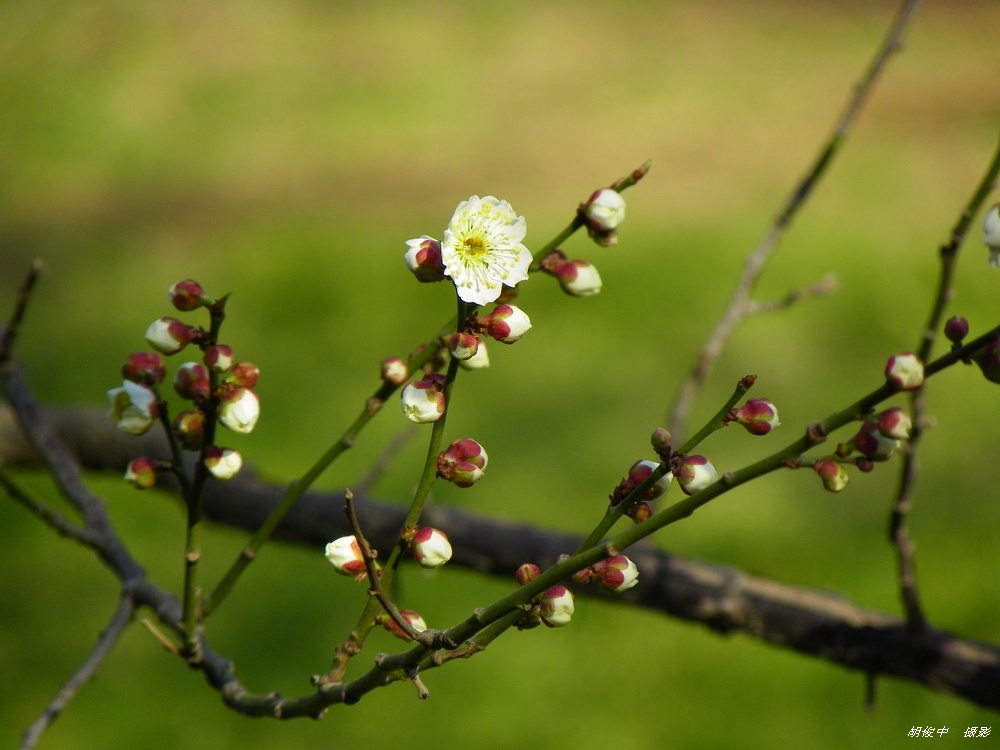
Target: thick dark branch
pixel 721 598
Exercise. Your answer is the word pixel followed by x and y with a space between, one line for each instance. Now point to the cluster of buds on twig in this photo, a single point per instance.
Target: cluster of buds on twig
pixel 617 573
pixel 553 608
pixel 957 328
pixel 639 509
pixel 876 440
pixel 218 388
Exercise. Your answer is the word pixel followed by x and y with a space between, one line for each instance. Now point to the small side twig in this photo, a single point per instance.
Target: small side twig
pixel 371 568
pixel 110 636
pixel 9 333
pixel 740 306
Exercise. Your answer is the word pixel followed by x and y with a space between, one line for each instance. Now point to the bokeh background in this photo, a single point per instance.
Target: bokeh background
pixel 284 151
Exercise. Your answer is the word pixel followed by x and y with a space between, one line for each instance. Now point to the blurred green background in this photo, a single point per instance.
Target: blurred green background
pixel 284 151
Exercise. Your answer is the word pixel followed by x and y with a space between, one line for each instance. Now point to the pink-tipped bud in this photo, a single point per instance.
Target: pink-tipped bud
pixel 462 463
pixel 144 368
pixel 578 278
pixel 640 471
pixel 223 463
pixel 506 323
pixel 243 375
pixel 617 573
pixel 894 423
pixel 141 473
pixel 168 335
pixel 423 401
pixel 430 547
pixel 905 371
pixel 239 410
pixel 413 619
pixel 872 444
pixel 661 440
pixel 394 370
pixel 833 474
pixel 956 329
pixel 695 473
pixel 187 295
pixel 345 556
pixel 191 382
pixel 603 212
pixel 189 427
pixel 463 345
pixel 758 415
pixel 134 407
pixel 423 258
pixel 478 361
pixel 556 607
pixel 988 359
pixel 639 512
pixel 219 357
pixel 527 572
pixel 991 234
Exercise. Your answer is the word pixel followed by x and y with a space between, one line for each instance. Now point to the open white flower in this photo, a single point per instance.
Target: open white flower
pixel 482 249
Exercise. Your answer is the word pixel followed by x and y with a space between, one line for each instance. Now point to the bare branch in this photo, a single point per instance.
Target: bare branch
pixel 740 303
pixel 121 618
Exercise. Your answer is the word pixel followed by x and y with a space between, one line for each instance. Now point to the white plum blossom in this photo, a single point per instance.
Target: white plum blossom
pixel 482 249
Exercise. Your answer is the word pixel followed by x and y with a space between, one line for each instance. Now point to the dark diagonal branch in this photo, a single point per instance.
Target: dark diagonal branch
pixel 740 305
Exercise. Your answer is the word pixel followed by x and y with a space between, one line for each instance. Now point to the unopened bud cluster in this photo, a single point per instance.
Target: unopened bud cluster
pixel 218 387
pixel 876 440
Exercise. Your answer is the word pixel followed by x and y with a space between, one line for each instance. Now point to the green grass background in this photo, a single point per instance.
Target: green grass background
pixel 284 151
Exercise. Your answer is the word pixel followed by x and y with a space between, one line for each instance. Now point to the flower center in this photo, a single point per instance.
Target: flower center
pixel 474 247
